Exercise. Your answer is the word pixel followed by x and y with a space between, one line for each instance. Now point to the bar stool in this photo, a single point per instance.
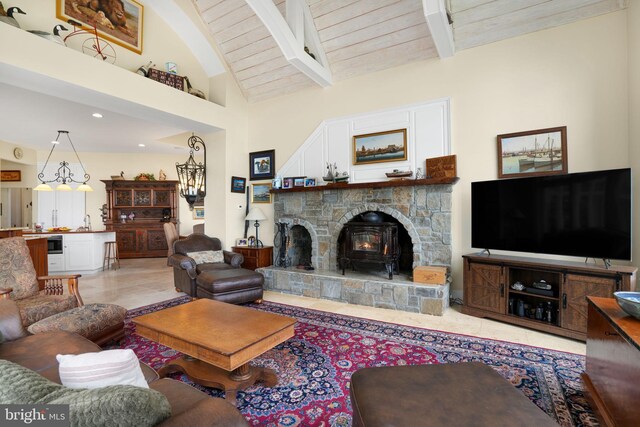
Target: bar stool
pixel 111 254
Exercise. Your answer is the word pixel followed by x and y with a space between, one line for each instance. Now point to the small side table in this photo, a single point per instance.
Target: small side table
pixel 255 257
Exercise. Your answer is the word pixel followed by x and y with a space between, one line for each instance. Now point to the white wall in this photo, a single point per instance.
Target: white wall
pixel 574 75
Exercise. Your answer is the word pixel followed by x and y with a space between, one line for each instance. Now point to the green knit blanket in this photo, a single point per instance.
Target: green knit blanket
pixel 121 405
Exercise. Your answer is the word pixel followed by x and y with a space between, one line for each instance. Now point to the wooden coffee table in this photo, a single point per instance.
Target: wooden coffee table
pixel 218 341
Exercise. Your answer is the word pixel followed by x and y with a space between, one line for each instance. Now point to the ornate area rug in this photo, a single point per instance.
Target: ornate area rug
pixel 315 366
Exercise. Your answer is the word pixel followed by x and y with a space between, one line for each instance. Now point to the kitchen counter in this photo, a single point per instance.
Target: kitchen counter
pixel 80 251
pixel 11 232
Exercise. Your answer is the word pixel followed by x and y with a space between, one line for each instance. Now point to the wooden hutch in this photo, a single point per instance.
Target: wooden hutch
pixel 149 202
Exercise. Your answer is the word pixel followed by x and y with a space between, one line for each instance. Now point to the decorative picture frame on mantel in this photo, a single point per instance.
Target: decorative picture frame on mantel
pixel 533 153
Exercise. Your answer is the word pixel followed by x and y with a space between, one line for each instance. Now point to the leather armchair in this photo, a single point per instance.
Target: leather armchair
pixel 185 269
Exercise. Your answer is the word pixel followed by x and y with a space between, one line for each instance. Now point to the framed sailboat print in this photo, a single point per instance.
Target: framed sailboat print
pixel 533 153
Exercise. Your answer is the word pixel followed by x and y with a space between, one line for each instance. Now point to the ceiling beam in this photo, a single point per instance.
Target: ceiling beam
pixel 184 28
pixel 435 12
pixel 291 39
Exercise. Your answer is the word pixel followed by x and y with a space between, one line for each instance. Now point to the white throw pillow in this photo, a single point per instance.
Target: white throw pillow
pixel 205 257
pixel 101 369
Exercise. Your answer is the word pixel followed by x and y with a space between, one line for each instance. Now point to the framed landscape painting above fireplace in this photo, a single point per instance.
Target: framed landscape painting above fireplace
pixel 389 146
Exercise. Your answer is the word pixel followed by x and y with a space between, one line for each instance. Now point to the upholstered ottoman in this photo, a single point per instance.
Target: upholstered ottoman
pixel 454 394
pixel 99 323
pixel 233 285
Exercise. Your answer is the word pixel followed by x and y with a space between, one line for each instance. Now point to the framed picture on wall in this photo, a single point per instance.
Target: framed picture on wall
pixel 11 176
pixel 198 213
pixel 260 193
pixel 262 165
pixel 119 22
pixel 533 153
pixel 238 184
pixel 389 146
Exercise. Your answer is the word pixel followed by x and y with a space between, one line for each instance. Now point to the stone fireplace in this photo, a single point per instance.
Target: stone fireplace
pixel 315 218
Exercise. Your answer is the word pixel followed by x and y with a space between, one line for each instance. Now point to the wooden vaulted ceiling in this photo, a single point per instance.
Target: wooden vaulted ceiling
pixel 364 36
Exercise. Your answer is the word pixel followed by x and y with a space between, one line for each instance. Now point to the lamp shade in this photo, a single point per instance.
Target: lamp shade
pixel 64 187
pixel 43 187
pixel 84 187
pixel 255 214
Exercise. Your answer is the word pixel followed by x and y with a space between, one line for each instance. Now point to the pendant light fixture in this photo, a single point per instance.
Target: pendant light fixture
pixel 192 175
pixel 63 176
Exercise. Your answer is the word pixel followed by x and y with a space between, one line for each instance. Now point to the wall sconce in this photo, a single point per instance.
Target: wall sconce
pixel 192 175
pixel 255 214
pixel 64 175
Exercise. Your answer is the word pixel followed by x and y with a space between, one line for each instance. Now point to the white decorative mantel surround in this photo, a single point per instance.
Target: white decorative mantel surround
pixel 428 136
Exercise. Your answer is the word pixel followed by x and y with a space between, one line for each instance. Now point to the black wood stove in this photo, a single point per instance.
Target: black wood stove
pixel 370 243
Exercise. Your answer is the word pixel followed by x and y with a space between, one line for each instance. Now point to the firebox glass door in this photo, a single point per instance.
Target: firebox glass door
pixel 366 241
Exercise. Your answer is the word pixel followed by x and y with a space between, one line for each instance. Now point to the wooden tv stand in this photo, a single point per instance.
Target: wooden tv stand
pixel 488 292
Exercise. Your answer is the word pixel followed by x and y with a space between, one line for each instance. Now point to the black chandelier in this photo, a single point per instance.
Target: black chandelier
pixel 64 175
pixel 192 175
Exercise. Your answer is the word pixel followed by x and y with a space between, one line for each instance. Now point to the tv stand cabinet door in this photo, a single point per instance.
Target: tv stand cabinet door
pixel 575 290
pixel 484 287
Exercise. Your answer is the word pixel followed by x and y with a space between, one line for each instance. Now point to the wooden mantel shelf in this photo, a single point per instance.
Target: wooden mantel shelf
pixel 380 184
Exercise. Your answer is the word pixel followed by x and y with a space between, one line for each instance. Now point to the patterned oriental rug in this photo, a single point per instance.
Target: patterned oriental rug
pixel 315 366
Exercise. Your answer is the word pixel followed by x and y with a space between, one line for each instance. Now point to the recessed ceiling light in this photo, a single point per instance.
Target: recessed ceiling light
pixel 141 145
pixel 97 115
pixel 55 142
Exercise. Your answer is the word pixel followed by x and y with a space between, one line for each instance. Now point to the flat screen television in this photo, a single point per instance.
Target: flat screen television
pixel 579 214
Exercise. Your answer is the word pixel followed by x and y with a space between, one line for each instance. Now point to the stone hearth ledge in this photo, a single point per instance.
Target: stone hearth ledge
pixel 359 289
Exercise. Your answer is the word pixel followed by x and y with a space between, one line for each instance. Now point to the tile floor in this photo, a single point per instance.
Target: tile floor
pixel 146 281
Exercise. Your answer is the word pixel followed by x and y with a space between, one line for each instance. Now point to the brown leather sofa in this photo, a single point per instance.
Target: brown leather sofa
pixel 189 406
pixel 226 282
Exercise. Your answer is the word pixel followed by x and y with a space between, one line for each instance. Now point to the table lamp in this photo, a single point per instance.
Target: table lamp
pixel 255 214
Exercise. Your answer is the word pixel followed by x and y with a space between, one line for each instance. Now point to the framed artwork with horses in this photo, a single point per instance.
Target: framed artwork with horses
pixel 119 21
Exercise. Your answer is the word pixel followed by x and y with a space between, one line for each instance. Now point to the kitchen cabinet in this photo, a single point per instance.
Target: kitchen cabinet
pixel 152 203
pixel 61 208
pixel 491 289
pixel 81 251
